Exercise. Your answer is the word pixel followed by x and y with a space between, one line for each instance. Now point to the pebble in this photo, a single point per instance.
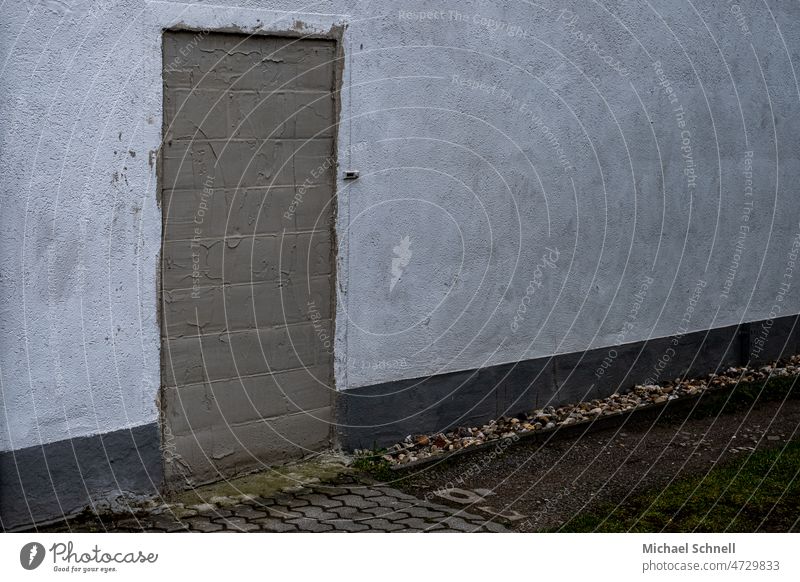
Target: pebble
pixel 550 417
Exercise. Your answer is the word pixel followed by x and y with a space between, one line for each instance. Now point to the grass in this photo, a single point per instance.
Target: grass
pixel 760 492
pixel 375 466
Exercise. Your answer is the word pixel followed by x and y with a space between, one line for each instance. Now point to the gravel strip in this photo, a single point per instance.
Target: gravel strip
pixel 419 447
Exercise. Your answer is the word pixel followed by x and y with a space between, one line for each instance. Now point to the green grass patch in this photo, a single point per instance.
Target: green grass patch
pixel 375 466
pixel 757 493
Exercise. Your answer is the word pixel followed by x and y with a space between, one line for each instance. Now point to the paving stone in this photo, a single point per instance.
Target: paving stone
pixel 365 491
pixel 448 510
pixel 216 512
pixel 356 501
pixel 318 513
pixel 414 522
pixel 386 512
pixel 92 529
pixel 351 526
pixel 310 525
pixel 249 512
pixel 352 508
pixel 132 523
pixel 350 513
pixel 471 517
pixel 462 514
pixel 459 524
pixel 281 498
pixel 236 524
pixel 319 500
pixel 399 495
pixel 382 525
pixel 397 504
pixel 435 527
pixel 282 512
pixel 384 500
pixel 168 525
pixel 203 525
pixel 494 527
pixel 424 512
pixel 274 525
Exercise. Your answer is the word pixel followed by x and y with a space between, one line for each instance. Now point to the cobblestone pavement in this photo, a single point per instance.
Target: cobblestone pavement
pixel 347 506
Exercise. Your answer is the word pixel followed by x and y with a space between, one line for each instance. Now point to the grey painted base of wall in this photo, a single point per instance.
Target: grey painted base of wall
pixel 48 482
pixel 380 415
pixel 58 479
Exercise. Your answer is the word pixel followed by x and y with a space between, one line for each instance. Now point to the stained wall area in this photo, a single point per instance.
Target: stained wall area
pixel 535 180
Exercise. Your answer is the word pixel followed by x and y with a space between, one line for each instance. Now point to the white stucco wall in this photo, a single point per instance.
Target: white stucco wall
pixel 79 351
pixel 496 133
pixel 484 132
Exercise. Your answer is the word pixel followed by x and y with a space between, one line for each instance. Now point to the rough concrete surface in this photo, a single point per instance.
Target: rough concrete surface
pixel 248 120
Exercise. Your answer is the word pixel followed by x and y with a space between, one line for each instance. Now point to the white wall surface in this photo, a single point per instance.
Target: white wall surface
pixel 485 132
